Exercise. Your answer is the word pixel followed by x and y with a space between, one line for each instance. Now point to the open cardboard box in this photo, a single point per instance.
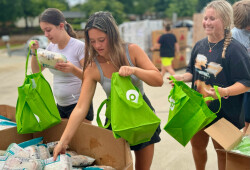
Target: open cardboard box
pixel 229 136
pixel 89 140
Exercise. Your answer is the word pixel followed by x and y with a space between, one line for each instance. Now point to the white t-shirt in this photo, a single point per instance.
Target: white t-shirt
pixel 66 86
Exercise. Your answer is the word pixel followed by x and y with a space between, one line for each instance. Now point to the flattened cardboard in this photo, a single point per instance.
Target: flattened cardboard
pixel 89 140
pixel 225 133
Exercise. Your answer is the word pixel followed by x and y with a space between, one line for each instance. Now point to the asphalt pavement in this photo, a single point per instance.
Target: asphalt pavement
pixel 169 154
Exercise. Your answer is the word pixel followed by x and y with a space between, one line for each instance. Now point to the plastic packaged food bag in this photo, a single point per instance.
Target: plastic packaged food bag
pixel 100 167
pixel 82 160
pixel 49 59
pixel 23 163
pixel 63 161
pixel 243 147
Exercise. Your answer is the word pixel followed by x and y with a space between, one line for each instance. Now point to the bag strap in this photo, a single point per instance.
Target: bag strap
pixel 211 98
pixel 98 120
pixel 27 60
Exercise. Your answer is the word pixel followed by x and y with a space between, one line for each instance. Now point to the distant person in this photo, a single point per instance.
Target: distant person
pixel 218 60
pixel 241 32
pixel 67 77
pixel 168 46
pixel 106 53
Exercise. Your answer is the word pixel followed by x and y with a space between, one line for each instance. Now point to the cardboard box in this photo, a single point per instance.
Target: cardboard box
pixel 228 136
pixel 89 140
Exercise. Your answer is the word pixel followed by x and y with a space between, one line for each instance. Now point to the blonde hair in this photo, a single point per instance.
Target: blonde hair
pixel 241 14
pixel 104 22
pixel 224 11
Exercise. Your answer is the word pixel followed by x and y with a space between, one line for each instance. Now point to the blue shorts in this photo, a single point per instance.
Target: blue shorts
pixel 65 111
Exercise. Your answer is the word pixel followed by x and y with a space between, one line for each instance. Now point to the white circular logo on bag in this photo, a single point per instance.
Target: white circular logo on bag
pixel 132 95
pixel 172 104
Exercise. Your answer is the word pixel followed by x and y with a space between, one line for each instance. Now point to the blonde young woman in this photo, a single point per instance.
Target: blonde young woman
pixel 105 53
pixel 67 77
pixel 227 65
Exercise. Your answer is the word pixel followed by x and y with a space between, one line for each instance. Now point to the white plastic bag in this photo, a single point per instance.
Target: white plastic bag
pixel 49 59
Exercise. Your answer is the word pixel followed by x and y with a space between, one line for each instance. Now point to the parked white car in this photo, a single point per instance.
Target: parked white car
pixel 42 40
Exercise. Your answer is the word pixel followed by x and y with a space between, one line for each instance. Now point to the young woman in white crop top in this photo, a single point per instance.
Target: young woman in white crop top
pixel 103 43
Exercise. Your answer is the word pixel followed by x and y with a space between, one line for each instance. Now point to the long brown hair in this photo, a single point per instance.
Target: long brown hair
pixel 225 11
pixel 104 22
pixel 241 14
pixel 55 16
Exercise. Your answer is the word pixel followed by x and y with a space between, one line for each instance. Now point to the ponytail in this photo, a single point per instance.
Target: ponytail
pixel 70 30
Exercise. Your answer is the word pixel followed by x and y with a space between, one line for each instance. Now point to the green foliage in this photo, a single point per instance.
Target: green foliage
pixel 183 8
pixel 9 11
pixel 113 6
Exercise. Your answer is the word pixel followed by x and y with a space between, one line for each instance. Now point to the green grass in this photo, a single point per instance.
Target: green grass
pixel 12 46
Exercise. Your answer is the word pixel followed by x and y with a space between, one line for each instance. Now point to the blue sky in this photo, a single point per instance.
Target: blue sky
pixel 74 2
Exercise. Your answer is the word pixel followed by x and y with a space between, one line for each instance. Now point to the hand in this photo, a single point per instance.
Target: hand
pixel 126 71
pixel 177 77
pixel 65 67
pixel 34 46
pixel 222 91
pixel 59 149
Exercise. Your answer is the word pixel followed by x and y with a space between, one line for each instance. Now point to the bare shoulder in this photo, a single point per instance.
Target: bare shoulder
pixel 92 72
pixel 135 51
pixel 134 48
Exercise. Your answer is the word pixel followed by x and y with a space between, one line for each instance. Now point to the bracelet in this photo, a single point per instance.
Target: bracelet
pixel 227 93
pixel 32 53
pixel 64 146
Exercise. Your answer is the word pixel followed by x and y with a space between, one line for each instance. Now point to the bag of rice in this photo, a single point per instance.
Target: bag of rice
pixel 63 161
pixel 82 160
pixel 49 59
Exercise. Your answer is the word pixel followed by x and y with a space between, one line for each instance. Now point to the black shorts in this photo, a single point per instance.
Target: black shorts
pixel 155 138
pixel 65 111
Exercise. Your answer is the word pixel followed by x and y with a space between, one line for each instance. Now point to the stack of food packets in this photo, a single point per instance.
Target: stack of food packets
pixel 33 154
pixel 49 59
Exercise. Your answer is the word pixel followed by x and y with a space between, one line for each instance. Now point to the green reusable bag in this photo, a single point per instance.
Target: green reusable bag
pixel 36 109
pixel 130 116
pixel 188 112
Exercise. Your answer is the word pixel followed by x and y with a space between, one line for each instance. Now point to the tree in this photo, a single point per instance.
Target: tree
pixel 113 6
pixel 10 11
pixel 182 8
pixel 30 9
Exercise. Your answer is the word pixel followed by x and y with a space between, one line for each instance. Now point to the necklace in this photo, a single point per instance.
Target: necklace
pixel 210 48
pixel 107 61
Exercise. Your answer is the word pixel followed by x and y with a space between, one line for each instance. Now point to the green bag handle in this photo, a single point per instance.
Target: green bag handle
pixel 98 120
pixel 207 98
pixel 27 60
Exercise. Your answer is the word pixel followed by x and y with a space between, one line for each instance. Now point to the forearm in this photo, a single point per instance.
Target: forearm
pixel 186 77
pixel 151 77
pixel 34 65
pixel 236 89
pixel 77 72
pixel 74 122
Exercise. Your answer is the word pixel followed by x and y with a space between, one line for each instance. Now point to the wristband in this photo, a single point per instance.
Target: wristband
pixel 32 53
